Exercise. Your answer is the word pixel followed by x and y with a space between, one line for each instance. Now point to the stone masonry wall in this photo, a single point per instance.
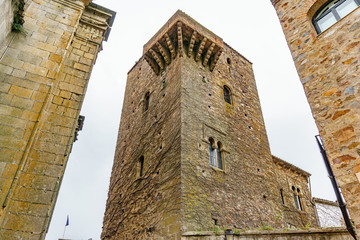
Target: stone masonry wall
pixel 6 18
pixel 43 77
pixel 328 67
pixel 290 180
pixel 147 207
pixel 306 234
pixel 244 193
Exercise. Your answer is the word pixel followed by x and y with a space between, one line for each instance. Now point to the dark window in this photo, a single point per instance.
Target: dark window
pixel 219 156
pixel 146 101
pixel 227 94
pixel 282 197
pixel 141 166
pixel 332 12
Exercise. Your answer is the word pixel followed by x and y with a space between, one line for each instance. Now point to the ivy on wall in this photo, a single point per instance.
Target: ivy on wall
pixel 17 25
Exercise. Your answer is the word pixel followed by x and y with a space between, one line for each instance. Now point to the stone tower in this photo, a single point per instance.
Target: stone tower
pixel 323 37
pixel 192 150
pixel 44 73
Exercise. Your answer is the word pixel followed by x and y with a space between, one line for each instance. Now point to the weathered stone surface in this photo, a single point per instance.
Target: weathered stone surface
pixel 285 234
pixel 171 110
pixel 328 66
pixel 42 89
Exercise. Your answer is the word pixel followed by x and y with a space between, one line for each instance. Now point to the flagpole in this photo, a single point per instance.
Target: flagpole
pixel 64 232
pixel 66 224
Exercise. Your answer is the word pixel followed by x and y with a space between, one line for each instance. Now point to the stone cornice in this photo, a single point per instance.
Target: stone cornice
pixel 95 23
pixel 182 36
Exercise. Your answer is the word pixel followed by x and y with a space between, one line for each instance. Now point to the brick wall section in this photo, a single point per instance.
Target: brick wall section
pixel 286 234
pixel 43 81
pixel 328 67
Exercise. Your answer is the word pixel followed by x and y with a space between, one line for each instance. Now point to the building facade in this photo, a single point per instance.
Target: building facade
pixel 323 37
pixel 44 70
pixel 329 213
pixel 192 151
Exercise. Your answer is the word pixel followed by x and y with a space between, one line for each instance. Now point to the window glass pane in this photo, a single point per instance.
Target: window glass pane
pixel 296 201
pixel 346 7
pixel 299 203
pixel 327 21
pixel 219 158
pixel 212 155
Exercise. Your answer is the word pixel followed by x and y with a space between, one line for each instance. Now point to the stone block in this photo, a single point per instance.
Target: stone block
pixel 20 92
pixel 22 103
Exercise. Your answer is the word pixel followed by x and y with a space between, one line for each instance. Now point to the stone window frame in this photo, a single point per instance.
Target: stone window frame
pixel 216 156
pixel 297 198
pixel 317 12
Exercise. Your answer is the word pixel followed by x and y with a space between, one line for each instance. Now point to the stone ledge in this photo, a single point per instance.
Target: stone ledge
pixel 271 232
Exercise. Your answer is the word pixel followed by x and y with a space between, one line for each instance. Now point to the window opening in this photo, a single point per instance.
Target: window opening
pixel 219 157
pixel 212 152
pixel 282 197
pixel 141 166
pixel 215 153
pixel 332 12
pixel 147 100
pixel 227 94
pixel 297 199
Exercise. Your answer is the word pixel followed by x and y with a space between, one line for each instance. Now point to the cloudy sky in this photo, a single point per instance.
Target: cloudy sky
pixel 250 27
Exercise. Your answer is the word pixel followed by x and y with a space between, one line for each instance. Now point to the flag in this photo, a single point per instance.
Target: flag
pixel 67 221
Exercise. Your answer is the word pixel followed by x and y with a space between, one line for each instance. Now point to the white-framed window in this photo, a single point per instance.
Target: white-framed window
pixel 333 11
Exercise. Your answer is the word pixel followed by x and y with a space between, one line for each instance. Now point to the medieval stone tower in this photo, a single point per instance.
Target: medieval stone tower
pixel 44 71
pixel 324 39
pixel 192 150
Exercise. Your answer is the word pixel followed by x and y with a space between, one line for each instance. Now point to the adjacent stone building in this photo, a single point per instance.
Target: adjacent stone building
pixel 192 151
pixel 329 213
pixel 44 70
pixel 324 39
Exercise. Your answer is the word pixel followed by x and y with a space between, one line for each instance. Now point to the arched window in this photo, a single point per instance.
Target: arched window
pixel 332 12
pixel 141 166
pixel 212 152
pixel 219 156
pixel 146 101
pixel 227 94
pixel 297 198
pixel 215 152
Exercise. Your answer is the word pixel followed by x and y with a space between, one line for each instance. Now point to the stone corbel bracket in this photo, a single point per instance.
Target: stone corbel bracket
pixel 182 36
pixel 95 23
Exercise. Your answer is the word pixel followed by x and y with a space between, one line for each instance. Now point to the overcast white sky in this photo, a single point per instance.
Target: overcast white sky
pixel 250 27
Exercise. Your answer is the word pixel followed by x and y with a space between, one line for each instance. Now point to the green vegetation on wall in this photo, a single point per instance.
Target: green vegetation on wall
pixel 17 25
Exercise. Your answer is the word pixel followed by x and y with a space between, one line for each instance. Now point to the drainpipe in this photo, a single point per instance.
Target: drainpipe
pixel 339 198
